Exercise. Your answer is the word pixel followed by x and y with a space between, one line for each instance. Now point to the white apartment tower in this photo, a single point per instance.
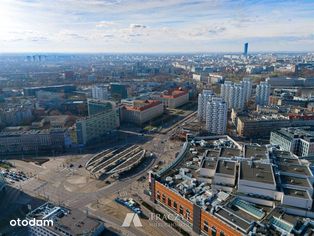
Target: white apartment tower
pixel 100 92
pixel 247 88
pixel 233 95
pixel 203 98
pixel 262 93
pixel 216 116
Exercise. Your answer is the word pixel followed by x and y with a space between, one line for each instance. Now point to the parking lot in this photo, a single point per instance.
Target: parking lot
pixel 13 177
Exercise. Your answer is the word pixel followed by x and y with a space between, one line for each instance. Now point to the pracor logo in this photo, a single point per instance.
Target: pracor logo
pixel 132 217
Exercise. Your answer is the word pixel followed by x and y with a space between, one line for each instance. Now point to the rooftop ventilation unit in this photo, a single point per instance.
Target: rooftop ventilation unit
pixel 298 193
pixel 258 175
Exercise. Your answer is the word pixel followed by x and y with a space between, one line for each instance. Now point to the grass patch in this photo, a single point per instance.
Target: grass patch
pixel 5 165
pixel 149 128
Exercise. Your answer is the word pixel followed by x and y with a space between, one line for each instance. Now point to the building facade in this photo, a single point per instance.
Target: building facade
pixel 233 95
pixel 218 187
pixel 103 118
pixel 216 116
pixel 247 88
pixel 174 98
pixel 32 141
pixel 141 111
pixel 100 92
pixel 203 99
pixel 299 140
pixel 262 126
pixel 119 91
pixel 262 94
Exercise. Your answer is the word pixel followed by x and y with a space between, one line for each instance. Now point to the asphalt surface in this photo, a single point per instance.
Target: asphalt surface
pixel 159 144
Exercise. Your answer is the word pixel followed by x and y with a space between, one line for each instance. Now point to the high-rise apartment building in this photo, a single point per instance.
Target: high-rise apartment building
pixel 262 93
pixel 203 98
pixel 233 94
pixel 247 88
pixel 216 116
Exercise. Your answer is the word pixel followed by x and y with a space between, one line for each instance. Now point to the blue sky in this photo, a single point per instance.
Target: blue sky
pixel 155 25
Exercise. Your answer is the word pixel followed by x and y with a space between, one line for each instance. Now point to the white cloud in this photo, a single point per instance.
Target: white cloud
pixel 171 25
pixel 137 26
pixel 105 24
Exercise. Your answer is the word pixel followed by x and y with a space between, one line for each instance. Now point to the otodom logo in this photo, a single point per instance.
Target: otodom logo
pixel 30 222
pixel 132 217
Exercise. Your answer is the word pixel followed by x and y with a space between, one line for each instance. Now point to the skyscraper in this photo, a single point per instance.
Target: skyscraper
pixel 262 93
pixel 203 98
pixel 246 49
pixel 216 116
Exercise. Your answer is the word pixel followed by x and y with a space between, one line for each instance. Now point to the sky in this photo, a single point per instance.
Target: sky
pixel 139 26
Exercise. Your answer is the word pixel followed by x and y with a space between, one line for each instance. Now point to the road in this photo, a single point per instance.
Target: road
pixel 53 189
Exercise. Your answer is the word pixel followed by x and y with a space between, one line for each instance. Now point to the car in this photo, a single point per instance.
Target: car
pixel 71 165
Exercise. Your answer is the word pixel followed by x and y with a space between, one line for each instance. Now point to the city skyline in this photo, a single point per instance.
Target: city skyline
pixel 155 26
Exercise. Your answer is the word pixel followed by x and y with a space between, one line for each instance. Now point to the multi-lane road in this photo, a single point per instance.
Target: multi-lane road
pixel 50 183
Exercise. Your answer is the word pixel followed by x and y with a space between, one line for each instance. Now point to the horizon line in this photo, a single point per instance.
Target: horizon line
pixel 161 52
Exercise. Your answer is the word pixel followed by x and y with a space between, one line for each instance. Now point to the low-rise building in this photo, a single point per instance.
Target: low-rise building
pixel 174 98
pixel 217 187
pixel 299 140
pixel 102 120
pixel 141 111
pixel 262 125
pixel 257 178
pixel 26 140
pixel 59 221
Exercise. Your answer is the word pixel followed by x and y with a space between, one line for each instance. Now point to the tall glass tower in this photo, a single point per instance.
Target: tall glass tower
pixel 246 49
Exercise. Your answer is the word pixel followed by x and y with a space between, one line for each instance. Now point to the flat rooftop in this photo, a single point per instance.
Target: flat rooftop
pixel 76 223
pixel 230 152
pixel 295 169
pixel 213 153
pixel 257 172
pixel 209 163
pixel 287 160
pixel 226 167
pixel 255 151
pixel 297 132
pixel 296 193
pixel 73 222
pixel 285 179
pixel 233 219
